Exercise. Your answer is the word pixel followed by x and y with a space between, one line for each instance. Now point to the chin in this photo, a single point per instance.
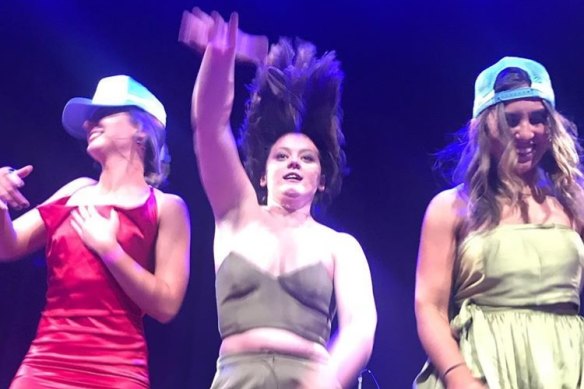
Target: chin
pixel 94 151
pixel 291 193
pixel 525 168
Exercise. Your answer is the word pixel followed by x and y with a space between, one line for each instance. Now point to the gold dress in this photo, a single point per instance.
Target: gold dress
pixel 516 296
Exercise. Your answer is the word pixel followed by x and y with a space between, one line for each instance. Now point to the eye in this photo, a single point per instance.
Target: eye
pixel 512 119
pixel 308 158
pixel 280 156
pixel 538 117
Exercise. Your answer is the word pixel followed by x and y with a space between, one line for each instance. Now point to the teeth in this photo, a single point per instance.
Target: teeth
pixel 525 150
pixel 93 136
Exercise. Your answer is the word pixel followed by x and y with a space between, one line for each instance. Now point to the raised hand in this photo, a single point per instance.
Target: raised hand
pixel 97 232
pixel 197 32
pixel 11 180
pixel 213 92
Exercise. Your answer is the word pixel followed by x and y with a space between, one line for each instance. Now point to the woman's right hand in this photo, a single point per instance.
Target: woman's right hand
pixel 10 184
pixel 195 32
pixel 213 92
pixel 474 384
pixel 463 379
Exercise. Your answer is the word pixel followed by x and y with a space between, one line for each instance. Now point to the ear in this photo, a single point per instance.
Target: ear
pixel 322 183
pixel 139 137
pixel 263 181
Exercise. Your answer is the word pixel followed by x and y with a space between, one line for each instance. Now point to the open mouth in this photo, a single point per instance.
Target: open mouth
pixel 525 150
pixel 93 135
pixel 293 177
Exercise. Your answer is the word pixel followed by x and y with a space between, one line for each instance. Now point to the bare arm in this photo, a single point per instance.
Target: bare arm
pixel 224 179
pixel 159 295
pixel 433 287
pixel 357 313
pixel 27 233
pixel 21 237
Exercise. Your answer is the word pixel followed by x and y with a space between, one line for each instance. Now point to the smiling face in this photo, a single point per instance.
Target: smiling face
pixel 293 170
pixel 110 130
pixel 527 124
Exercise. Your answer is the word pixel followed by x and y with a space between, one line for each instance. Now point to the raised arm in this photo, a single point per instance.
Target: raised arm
pixel 224 179
pixel 433 287
pixel 352 347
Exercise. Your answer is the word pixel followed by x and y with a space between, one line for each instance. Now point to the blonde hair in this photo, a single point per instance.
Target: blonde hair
pixel 156 155
pixel 488 182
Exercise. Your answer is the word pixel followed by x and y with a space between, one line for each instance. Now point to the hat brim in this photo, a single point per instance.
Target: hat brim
pixel 77 111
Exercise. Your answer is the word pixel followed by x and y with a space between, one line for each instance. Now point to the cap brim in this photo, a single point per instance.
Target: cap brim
pixel 76 112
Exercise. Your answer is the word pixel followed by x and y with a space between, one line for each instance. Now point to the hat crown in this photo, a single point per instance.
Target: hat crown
pixel 123 90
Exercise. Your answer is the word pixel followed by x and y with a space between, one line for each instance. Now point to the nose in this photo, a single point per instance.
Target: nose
pixel 88 125
pixel 524 131
pixel 293 163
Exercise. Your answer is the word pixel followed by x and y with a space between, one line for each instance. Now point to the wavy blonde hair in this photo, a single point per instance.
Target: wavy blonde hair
pixel 487 183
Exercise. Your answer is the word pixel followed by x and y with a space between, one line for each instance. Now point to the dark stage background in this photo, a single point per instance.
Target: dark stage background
pixel 410 68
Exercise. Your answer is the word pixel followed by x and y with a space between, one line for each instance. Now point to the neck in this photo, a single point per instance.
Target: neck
pixel 296 215
pixel 530 185
pixel 529 178
pixel 117 177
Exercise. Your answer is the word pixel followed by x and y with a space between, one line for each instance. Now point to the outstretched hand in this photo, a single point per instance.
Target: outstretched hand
pixel 198 30
pixel 11 180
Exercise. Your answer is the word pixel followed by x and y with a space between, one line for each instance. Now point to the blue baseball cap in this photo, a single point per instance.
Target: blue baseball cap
pixel 114 91
pixel 485 96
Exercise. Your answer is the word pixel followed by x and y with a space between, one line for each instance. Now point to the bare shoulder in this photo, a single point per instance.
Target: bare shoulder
pixel 71 187
pixel 346 241
pixel 447 207
pixel 170 204
pixel 343 244
pixel 336 238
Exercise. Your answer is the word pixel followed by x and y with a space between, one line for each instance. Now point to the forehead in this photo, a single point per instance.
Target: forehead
pixel 524 105
pixel 294 141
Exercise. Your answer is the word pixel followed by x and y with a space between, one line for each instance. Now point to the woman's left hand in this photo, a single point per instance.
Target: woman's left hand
pixel 97 232
pixel 321 379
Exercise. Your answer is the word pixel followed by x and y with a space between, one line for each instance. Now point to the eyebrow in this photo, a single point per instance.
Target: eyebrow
pixel 301 150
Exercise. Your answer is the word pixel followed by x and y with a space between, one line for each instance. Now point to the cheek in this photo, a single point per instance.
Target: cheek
pixel 273 171
pixel 496 148
pixel 544 141
pixel 316 175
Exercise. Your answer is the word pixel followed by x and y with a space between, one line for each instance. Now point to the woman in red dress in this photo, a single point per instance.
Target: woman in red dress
pixel 116 248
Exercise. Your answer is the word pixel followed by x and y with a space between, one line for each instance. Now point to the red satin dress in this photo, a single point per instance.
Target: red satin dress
pixel 90 334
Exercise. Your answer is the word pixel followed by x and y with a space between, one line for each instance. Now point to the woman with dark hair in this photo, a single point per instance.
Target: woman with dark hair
pixel 501 254
pixel 280 274
pixel 116 248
